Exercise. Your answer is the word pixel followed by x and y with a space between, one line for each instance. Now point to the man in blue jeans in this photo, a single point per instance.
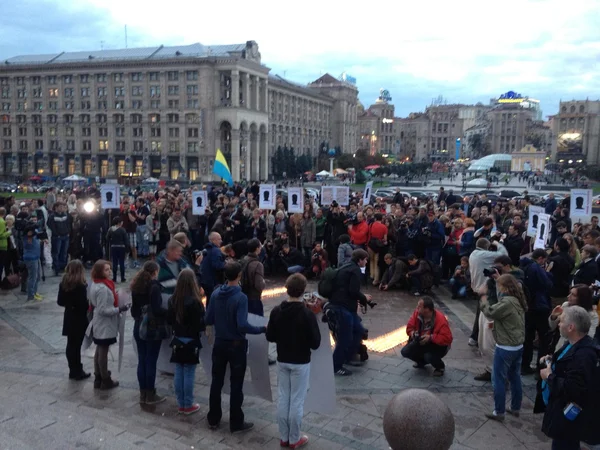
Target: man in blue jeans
pixel 344 301
pixel 60 224
pixel 228 312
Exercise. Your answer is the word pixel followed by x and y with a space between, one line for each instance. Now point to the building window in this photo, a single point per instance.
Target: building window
pixel 84 78
pixel 23 131
pixel 5 92
pixel 101 118
pixel 154 118
pixel 155 132
pixel 138 132
pixel 139 167
pixel 101 78
pixel 52 118
pixel 191 75
pixel 71 166
pixel 118 77
pixel 154 104
pixel 103 132
pixel 6 132
pixel 156 146
pixel 120 131
pixel 173 89
pixel 85 92
pixel 38 131
pixel 192 103
pixel 137 90
pixel 53 106
pixel 192 132
pixel 86 131
pixel 173 76
pixel 153 76
pixel 120 104
pixel 136 118
pixel 53 93
pixel 22 93
pixel 38 106
pixel 173 104
pixel 103 145
pixel 54 145
pixel 172 118
pixel 137 76
pixel 86 104
pixel 120 91
pixel 154 91
pixel 6 106
pixel 87 145
pixel 173 132
pixel 192 89
pixel 102 91
pixel 136 104
pixel 69 131
pixel 68 79
pixel 39 145
pixel 174 147
pixel 120 147
pixel 138 146
pixel 87 167
pixel 70 145
pixel 51 79
pixel 84 118
pixel 69 105
pixel 23 145
pixel 37 92
pixel 36 80
pixel 7 144
pixel 192 147
pixel 69 92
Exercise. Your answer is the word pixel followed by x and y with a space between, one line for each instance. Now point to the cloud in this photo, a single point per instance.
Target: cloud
pixel 466 51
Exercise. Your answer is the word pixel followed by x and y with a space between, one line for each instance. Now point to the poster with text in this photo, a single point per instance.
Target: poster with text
pixel 533 220
pixel 296 200
pixel 266 196
pixel 367 193
pixel 543 232
pixel 342 195
pixel 327 195
pixel 110 196
pixel 581 203
pixel 199 199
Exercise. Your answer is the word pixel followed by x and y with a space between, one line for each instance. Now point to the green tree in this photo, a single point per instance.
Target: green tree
pixel 278 162
pixel 360 177
pixel 478 145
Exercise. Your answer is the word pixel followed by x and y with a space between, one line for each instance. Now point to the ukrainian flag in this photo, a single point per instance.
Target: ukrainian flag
pixel 221 168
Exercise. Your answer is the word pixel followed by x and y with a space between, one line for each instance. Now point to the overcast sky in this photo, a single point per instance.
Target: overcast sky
pixel 465 50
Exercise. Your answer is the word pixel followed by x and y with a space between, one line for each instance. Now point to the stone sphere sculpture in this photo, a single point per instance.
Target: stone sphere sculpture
pixel 416 419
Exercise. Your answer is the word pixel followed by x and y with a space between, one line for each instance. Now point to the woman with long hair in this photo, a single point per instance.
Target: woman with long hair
pixel 573 251
pixel 186 315
pixel 105 321
pixel 72 295
pixel 153 225
pixel 509 332
pixel 451 250
pixel 145 293
pixel 308 234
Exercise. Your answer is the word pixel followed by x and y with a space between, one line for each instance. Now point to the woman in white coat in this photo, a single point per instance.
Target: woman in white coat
pixel 105 322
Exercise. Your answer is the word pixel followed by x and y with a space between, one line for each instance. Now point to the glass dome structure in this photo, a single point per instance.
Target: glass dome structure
pixel 500 160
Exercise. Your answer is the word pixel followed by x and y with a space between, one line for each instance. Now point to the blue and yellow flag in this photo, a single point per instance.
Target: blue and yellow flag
pixel 221 168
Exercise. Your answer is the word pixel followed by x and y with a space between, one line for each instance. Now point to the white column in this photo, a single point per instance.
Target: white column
pixel 264 157
pixel 235 89
pixel 235 154
pixel 254 151
pixel 256 97
pixel 247 99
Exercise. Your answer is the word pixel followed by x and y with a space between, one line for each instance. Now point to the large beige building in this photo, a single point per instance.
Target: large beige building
pixel 376 127
pixel 163 112
pixel 577 131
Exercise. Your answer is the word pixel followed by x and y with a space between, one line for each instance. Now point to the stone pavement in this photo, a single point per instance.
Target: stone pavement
pixel 41 408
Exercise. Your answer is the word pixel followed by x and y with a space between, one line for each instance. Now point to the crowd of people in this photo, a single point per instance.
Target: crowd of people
pixel 527 299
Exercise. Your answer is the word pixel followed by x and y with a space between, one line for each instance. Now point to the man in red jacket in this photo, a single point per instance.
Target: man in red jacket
pixel 429 337
pixel 359 232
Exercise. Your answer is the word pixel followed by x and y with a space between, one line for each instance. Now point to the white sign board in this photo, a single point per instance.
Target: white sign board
pixel 342 195
pixel 543 231
pixel 266 196
pixel 321 388
pixel 581 203
pixel 199 199
pixel 367 193
pixel 110 196
pixel 534 217
pixel 327 195
pixel 296 200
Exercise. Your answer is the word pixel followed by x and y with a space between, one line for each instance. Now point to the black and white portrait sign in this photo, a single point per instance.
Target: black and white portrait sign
pixel 199 199
pixel 296 200
pixel 266 196
pixel 543 231
pixel 367 193
pixel 534 218
pixel 110 196
pixel 581 202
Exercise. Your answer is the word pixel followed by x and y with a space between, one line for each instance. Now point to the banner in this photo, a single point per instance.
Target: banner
pixel 367 193
pixel 110 196
pixel 199 200
pixel 543 231
pixel 327 195
pixel 534 217
pixel 296 200
pixel 581 203
pixel 266 196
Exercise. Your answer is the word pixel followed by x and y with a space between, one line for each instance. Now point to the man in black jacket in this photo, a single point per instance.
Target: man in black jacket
pixel 568 385
pixel 345 298
pixel 293 259
pixel 561 266
pixel 60 224
pixel 514 243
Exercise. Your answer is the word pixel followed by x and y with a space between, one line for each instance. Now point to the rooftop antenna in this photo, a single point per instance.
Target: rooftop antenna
pixel 125 36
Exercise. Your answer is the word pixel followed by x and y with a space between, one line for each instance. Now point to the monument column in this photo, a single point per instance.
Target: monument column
pixel 247 100
pixel 235 88
pixel 235 154
pixel 264 157
pixel 256 103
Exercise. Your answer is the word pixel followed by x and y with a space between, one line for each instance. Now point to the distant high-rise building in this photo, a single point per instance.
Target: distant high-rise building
pixel 577 130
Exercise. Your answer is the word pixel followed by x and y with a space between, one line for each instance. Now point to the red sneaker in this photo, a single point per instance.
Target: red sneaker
pixel 192 409
pixel 180 410
pixel 284 443
pixel 301 442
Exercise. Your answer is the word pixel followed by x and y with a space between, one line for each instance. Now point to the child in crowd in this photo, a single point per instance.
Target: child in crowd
pixel 461 279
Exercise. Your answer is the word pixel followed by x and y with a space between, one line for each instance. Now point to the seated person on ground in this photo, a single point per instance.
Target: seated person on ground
pixel 395 274
pixel 419 276
pixel 461 279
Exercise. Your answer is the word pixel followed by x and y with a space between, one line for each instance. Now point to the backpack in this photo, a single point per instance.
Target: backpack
pixel 436 271
pixel 327 283
pixel 245 282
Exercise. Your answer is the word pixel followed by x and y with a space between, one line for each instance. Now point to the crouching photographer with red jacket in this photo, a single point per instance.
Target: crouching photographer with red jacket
pixel 429 335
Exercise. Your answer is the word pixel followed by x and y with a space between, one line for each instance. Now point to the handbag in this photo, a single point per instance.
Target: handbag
pixel 153 328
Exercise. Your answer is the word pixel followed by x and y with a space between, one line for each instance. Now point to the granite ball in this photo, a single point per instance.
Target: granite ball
pixel 416 419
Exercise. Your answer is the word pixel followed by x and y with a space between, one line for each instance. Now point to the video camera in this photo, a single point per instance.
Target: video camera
pixel 490 272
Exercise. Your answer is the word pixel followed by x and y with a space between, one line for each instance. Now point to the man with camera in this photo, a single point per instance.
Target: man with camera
pixel 482 258
pixel 429 336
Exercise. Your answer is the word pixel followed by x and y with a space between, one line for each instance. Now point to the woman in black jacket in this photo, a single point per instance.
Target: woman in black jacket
pixel 72 295
pixel 293 327
pixel 146 294
pixel 186 315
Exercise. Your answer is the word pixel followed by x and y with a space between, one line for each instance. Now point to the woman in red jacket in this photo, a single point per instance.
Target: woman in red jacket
pixel 429 336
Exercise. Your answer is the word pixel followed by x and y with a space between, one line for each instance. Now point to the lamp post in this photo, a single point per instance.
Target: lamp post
pixel 331 153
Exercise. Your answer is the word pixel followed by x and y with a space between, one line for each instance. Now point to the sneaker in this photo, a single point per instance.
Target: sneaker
pixel 301 442
pixel 355 363
pixel 80 376
pixel 483 376
pixel 495 416
pixel 180 410
pixel 473 343
pixel 213 427
pixel 514 412
pixel 246 426
pixel 152 398
pixel 192 409
pixel 343 372
pixel 416 293
pixel 123 280
pixel 418 366
pixel 284 443
pixel 438 373
pixel 38 297
pixel 30 299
